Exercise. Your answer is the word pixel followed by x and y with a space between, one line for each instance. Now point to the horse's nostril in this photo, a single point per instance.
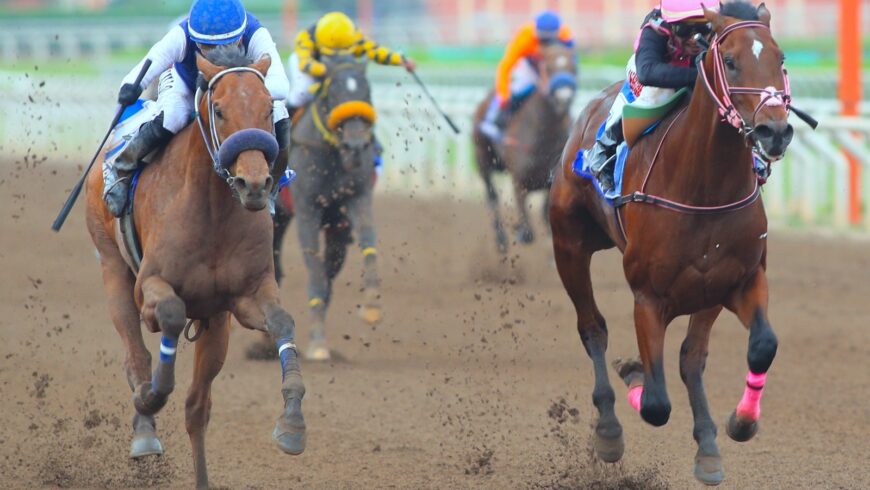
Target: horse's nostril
pixel 269 182
pixel 764 132
pixel 789 133
pixel 240 183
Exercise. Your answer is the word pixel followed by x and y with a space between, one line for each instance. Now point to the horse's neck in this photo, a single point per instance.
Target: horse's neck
pixel 546 132
pixel 713 157
pixel 203 189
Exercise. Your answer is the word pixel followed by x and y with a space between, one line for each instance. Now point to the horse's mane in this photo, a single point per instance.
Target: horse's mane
pixel 739 10
pixel 229 56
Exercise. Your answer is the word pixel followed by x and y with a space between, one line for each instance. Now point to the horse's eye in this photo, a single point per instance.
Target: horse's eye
pixel 782 61
pixel 218 114
pixel 729 62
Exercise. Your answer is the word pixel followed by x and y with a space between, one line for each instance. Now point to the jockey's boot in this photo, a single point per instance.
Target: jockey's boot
pixel 495 121
pixel 281 168
pixel 151 136
pixel 602 155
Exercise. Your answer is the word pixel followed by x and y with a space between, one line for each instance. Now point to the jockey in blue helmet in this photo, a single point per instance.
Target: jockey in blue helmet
pixel 211 23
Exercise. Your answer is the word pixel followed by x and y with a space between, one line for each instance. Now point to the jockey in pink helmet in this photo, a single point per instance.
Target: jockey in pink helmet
pixel 663 62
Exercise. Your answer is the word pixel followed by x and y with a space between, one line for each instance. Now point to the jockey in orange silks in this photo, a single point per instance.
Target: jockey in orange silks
pixel 517 69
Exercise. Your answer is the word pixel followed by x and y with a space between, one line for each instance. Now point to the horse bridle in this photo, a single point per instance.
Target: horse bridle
pixel 768 96
pixel 224 153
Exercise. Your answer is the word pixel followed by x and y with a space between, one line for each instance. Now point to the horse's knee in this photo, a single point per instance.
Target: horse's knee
pixel 171 315
pixel 762 346
pixel 281 324
pixel 603 396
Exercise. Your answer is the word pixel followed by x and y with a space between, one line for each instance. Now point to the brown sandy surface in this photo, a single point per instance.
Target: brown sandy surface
pixel 476 378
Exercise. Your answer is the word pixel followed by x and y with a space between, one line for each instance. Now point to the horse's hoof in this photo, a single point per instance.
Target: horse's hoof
pixel 145 444
pixel 741 430
pixel 317 351
pixel 609 450
pixel 708 470
pixel 291 441
pixel 371 314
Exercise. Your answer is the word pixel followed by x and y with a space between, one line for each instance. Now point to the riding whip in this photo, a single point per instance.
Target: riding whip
pixel 437 107
pixel 74 195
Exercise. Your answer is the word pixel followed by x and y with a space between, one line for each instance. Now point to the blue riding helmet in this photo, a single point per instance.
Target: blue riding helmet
pixel 217 21
pixel 547 25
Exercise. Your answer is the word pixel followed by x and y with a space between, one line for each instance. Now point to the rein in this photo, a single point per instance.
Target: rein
pixel 224 153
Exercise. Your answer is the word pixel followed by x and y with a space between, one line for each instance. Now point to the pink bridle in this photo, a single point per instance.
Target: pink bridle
pixel 769 96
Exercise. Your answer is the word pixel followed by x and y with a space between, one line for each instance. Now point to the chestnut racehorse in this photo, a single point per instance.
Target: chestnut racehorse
pixel 207 255
pixel 693 232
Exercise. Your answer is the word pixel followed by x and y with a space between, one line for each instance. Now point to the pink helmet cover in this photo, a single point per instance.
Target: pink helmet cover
pixel 677 10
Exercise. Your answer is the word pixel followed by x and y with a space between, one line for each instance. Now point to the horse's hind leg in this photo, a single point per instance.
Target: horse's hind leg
pixel 208 359
pixel 492 201
pixel 750 305
pixel 573 254
pixel 523 228
pixel 693 358
pixel 119 281
pixel 362 217
pixel 164 309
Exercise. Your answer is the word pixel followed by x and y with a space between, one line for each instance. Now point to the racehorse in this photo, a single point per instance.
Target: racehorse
pixel 332 151
pixel 206 255
pixel 693 231
pixel 532 140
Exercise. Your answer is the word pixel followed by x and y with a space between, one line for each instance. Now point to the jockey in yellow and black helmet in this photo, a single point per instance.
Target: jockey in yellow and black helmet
pixel 334 33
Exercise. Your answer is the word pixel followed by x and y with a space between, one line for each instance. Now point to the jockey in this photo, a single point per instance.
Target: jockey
pixel 663 62
pixel 334 33
pixel 517 70
pixel 210 23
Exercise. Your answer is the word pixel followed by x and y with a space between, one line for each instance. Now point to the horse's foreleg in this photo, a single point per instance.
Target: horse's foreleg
pixel 523 228
pixel 309 220
pixel 264 313
pixel 693 358
pixel 165 310
pixel 492 201
pixel 118 281
pixel 573 259
pixel 649 323
pixel 209 356
pixel 750 306
pixel 362 217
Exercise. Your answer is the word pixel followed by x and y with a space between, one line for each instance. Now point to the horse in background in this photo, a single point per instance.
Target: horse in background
pixel 700 248
pixel 205 231
pixel 533 139
pixel 332 151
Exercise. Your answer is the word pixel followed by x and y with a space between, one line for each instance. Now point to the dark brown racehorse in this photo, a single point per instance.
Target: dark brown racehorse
pixel 693 238
pixel 532 140
pixel 207 255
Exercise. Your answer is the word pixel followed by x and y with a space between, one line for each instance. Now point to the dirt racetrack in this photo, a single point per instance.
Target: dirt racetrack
pixel 474 379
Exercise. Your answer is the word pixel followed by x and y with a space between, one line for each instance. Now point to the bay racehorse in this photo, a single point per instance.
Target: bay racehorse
pixel 693 232
pixel 535 135
pixel 332 150
pixel 206 255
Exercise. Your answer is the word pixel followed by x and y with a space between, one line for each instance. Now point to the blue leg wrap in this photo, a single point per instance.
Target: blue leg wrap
pixel 168 346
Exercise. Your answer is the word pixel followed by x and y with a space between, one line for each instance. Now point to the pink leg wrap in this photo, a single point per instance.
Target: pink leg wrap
pixel 634 397
pixel 750 405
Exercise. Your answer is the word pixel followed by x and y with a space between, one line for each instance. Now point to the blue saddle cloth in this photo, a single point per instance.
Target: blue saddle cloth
pixel 581 167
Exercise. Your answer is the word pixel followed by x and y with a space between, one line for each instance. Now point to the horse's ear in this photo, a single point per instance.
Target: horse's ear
pixel 262 65
pixel 763 14
pixel 713 17
pixel 206 67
